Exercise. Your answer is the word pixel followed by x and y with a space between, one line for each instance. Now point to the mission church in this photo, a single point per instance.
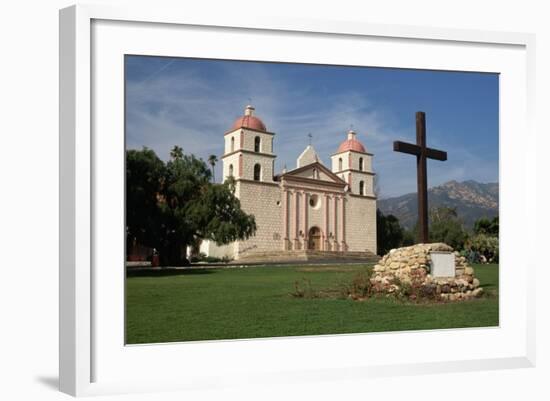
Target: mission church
pixel 311 208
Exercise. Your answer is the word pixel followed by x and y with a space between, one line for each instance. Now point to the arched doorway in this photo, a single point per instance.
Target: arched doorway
pixel 314 241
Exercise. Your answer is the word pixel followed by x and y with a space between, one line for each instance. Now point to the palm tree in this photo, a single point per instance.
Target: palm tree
pixel 176 153
pixel 212 159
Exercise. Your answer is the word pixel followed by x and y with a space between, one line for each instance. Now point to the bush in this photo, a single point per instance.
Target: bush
pixel 485 245
pixel 201 257
pixel 303 289
pixel 359 288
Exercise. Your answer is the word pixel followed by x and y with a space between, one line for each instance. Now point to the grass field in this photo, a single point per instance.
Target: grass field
pixel 252 302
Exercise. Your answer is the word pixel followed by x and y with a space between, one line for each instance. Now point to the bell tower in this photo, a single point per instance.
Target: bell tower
pixel 248 152
pixel 353 164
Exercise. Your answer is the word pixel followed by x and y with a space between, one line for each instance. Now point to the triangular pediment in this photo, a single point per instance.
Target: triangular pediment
pixel 314 171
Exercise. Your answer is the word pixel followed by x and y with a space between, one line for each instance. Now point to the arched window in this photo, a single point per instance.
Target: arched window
pixel 257 172
pixel 340 164
pixel 361 163
pixel 231 170
pixel 232 143
pixel 361 187
pixel 315 173
pixel 257 143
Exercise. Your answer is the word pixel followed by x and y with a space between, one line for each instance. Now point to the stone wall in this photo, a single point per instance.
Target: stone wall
pixel 360 224
pixel 262 200
pixel 408 270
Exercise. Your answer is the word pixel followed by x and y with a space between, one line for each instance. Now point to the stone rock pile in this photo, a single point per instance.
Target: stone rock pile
pixel 406 272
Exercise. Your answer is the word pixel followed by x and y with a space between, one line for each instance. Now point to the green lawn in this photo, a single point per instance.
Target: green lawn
pixel 251 302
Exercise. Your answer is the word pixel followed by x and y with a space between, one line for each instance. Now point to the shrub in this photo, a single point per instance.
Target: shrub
pixel 303 289
pixel 486 245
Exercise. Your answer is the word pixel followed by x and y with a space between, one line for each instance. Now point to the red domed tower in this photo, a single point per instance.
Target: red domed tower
pixel 248 150
pixel 353 164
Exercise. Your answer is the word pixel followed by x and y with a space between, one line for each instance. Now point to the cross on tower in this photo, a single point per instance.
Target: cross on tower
pixel 309 136
pixel 422 153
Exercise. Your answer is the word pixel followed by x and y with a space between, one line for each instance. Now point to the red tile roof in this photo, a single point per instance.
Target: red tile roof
pixel 251 122
pixel 351 144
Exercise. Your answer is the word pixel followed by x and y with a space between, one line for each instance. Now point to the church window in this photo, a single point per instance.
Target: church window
pixel 314 201
pixel 340 164
pixel 361 187
pixel 361 163
pixel 257 172
pixel 257 143
pixel 232 143
pixel 231 170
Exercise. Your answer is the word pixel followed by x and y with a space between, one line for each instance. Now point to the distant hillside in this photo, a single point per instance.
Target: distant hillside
pixel 472 200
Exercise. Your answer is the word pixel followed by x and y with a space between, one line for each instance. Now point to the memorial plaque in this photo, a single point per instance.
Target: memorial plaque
pixel 443 264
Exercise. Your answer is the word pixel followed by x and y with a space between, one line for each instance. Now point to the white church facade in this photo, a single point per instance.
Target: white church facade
pixel 309 208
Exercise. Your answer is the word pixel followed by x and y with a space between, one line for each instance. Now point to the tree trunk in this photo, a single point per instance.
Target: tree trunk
pixel 171 255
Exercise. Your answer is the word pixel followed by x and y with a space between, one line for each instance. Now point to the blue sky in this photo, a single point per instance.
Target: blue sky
pixel 192 103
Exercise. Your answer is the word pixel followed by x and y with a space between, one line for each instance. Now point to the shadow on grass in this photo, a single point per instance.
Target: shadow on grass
pixel 167 272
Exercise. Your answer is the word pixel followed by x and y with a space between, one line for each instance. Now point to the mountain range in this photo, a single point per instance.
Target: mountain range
pixel 471 199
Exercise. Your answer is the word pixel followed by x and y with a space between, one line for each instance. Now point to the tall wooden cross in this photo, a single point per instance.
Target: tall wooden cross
pixel 422 154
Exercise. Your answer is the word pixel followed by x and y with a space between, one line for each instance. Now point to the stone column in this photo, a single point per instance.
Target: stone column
pixel 335 225
pixel 343 224
pixel 305 196
pixel 296 220
pixel 324 244
pixel 285 219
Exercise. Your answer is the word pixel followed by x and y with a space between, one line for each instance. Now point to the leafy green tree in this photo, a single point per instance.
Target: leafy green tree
pixel 219 217
pixel 389 233
pixel 144 178
pixel 486 226
pixel 187 207
pixel 446 227
pixel 410 237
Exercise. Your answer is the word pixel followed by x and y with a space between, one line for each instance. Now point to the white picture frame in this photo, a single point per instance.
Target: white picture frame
pixel 85 328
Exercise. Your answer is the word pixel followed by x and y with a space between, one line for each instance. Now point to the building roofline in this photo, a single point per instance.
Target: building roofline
pixel 272 183
pixel 362 196
pixel 352 151
pixel 248 152
pixel 249 129
pixel 353 170
pixel 321 166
